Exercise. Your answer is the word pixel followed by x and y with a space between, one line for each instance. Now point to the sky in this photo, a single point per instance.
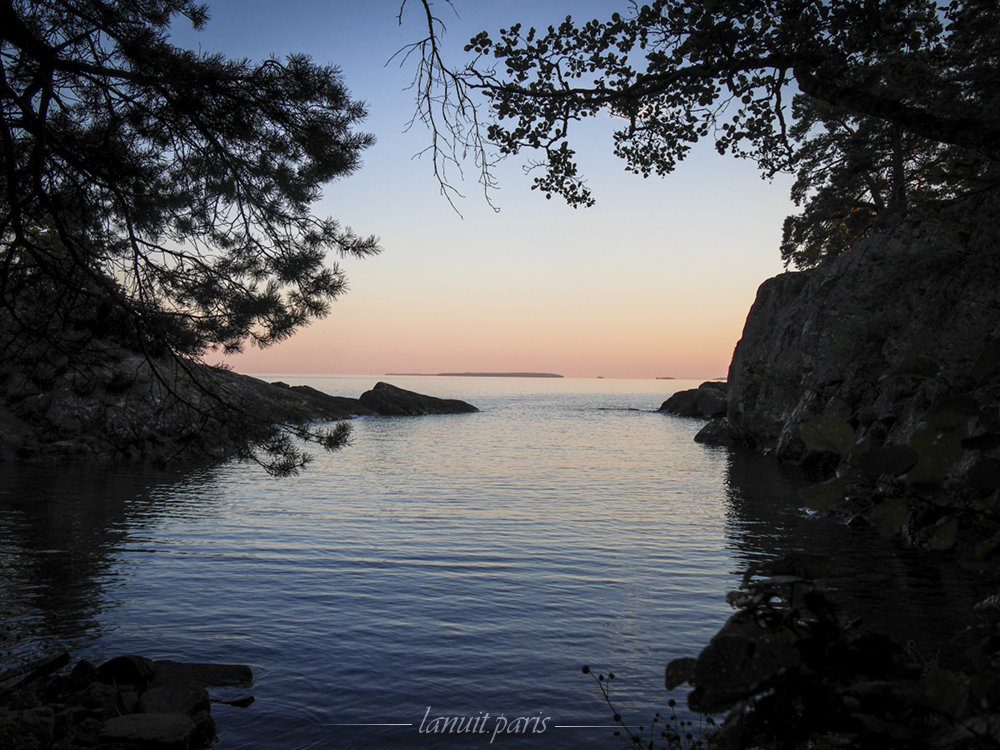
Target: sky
pixel 654 281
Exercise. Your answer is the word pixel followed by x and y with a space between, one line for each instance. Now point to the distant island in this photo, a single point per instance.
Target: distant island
pixel 666 377
pixel 478 374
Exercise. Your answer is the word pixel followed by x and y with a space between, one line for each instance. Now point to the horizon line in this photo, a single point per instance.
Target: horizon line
pixel 275 373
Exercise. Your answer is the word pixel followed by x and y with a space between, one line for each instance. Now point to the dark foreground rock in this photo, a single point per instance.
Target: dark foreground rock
pixel 127 702
pixel 790 669
pixel 389 401
pixel 707 401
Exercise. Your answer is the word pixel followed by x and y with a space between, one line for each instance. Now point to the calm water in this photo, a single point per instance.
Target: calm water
pixel 457 565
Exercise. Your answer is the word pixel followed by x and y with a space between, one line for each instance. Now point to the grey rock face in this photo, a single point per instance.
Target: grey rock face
pixel 889 332
pixel 715 432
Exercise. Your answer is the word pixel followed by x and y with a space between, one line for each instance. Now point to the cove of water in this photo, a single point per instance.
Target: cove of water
pixel 454 565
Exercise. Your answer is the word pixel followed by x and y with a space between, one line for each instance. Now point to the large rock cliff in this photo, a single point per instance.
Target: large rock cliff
pixel 899 330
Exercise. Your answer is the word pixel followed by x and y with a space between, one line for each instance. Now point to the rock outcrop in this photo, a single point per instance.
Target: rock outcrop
pixel 896 338
pixel 707 401
pixel 389 401
pixel 107 402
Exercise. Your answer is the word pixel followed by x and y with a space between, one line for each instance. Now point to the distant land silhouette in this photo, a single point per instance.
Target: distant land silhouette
pixel 479 374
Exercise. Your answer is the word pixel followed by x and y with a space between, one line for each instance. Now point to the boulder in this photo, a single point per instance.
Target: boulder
pixel 152 731
pixel 129 702
pixel 204 729
pixel 739 661
pixel 38 724
pixel 82 675
pixel 707 401
pixel 26 674
pixel 390 401
pixel 127 670
pixel 182 696
pixel 100 699
pixel 206 675
pixel 715 432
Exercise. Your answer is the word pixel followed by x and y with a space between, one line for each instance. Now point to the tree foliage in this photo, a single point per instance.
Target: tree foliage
pixel 162 189
pixel 884 88
pixel 856 173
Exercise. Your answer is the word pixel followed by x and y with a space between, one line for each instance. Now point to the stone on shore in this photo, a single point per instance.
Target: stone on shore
pixel 390 401
pixel 715 432
pixel 127 670
pixel 128 702
pixel 110 403
pixel 38 724
pixel 319 405
pixel 180 696
pixel 707 401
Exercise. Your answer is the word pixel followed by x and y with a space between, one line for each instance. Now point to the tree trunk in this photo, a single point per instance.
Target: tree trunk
pixel 897 175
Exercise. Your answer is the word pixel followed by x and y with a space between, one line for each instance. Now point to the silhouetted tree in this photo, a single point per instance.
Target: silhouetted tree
pixel 675 72
pixel 160 195
pixel 175 186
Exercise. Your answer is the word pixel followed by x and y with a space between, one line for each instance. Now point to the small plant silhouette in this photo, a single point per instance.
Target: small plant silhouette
pixel 667 732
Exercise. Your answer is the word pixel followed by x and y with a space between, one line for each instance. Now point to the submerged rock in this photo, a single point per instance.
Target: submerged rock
pixel 390 401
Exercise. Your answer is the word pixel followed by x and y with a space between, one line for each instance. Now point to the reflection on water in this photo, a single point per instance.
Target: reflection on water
pixel 908 594
pixel 61 528
pixel 469 563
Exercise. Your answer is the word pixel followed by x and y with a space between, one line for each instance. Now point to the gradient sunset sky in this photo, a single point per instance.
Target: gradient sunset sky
pixel 655 280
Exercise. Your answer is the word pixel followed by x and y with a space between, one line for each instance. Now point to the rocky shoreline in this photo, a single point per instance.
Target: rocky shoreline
pixel 126 703
pixel 117 405
pixel 107 403
pixel 878 374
